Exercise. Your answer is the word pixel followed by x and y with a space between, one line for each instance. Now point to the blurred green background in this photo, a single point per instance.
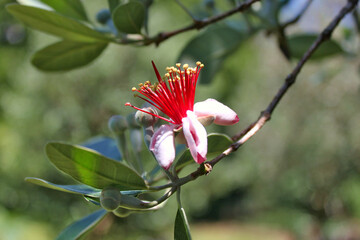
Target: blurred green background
pixel 298 178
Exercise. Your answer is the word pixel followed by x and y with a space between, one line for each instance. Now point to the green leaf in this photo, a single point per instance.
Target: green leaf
pixel 211 48
pixel 67 55
pixel 113 4
pixel 92 168
pixel 217 143
pixel 70 8
pixel 129 17
pixel 299 44
pixel 82 226
pixel 182 229
pixel 76 189
pixel 56 24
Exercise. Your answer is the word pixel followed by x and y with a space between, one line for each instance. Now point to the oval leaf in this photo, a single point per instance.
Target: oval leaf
pixel 82 226
pixel 299 44
pixel 70 8
pixel 76 189
pixel 211 48
pixel 129 17
pixel 217 143
pixel 55 24
pixel 92 168
pixel 67 55
pixel 181 229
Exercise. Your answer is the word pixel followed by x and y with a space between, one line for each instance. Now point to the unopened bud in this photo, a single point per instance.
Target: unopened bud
pixel 110 198
pixel 103 16
pixel 117 124
pixel 132 121
pixel 145 119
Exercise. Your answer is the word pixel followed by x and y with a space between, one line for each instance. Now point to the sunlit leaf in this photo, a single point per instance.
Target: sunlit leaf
pixel 104 145
pixel 55 24
pixel 71 8
pixel 92 168
pixel 67 55
pixel 211 47
pixel 129 17
pixel 181 229
pixel 299 44
pixel 77 189
pixel 217 143
pixel 82 226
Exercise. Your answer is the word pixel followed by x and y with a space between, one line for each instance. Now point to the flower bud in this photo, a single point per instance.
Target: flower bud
pixel 145 119
pixel 122 212
pixel 110 198
pixel 132 121
pixel 103 16
pixel 117 124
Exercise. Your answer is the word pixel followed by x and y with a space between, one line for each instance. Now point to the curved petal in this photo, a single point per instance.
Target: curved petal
pixel 163 145
pixel 195 135
pixel 222 113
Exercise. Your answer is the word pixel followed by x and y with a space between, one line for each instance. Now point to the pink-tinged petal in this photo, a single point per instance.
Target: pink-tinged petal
pixel 222 113
pixel 196 137
pixel 163 145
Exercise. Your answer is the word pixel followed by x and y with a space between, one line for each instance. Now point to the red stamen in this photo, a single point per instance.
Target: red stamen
pixel 155 115
pixel 173 96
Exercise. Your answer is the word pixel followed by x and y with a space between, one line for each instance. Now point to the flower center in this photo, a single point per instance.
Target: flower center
pixel 174 94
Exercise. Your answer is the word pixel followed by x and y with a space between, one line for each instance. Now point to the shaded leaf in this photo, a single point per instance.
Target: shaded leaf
pixel 54 23
pixel 104 145
pixel 92 168
pixel 129 17
pixel 70 8
pixel 211 47
pixel 299 44
pixel 181 229
pixel 76 189
pixel 113 4
pixel 67 55
pixel 217 143
pixel 82 226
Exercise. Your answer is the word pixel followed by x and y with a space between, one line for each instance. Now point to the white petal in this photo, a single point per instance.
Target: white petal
pixel 222 113
pixel 163 145
pixel 196 137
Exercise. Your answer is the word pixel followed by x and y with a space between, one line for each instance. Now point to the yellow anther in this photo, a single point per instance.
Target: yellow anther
pixel 167 75
pixel 133 89
pixel 140 84
pixel 186 66
pixel 198 63
pixel 201 65
pixel 168 69
pixel 178 65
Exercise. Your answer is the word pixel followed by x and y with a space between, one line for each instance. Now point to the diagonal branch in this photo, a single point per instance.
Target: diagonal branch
pixel 265 115
pixel 198 24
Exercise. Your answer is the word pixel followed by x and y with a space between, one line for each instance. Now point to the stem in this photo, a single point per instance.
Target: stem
pixel 198 24
pixel 298 16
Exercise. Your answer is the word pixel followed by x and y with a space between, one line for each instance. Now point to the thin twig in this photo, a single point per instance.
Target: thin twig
pixel 198 24
pixel 253 128
pixel 298 16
